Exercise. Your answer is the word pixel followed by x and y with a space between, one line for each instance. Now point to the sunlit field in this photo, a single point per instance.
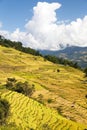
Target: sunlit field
pixel 59 101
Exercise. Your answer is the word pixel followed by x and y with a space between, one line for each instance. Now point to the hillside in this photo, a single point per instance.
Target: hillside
pixel 59 93
pixel 29 114
pixel 77 54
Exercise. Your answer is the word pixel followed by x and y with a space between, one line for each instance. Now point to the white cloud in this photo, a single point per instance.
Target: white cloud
pixel 43 24
pixel 45 31
pixel 0 24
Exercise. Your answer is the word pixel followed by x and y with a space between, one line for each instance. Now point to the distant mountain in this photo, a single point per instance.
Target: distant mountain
pixel 74 53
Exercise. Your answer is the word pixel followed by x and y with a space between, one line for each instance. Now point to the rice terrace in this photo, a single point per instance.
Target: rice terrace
pixel 55 104
pixel 43 65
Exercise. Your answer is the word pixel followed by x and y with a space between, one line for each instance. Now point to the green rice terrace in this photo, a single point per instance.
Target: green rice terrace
pixel 59 101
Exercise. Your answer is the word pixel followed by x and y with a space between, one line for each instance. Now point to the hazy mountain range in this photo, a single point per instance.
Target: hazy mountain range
pixel 74 53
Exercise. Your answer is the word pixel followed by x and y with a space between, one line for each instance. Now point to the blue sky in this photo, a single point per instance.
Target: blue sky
pixel 16 14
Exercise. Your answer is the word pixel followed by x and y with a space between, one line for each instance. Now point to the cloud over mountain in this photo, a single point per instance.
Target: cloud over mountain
pixel 45 31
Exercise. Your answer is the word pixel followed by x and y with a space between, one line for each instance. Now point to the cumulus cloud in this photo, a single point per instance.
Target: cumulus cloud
pixel 45 31
pixel 43 24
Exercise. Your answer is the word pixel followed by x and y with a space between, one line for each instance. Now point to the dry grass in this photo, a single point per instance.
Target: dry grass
pixel 66 88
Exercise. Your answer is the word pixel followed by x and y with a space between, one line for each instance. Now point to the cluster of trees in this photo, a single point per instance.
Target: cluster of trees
pixel 4 110
pixel 18 46
pixel 57 60
pixel 85 71
pixel 20 87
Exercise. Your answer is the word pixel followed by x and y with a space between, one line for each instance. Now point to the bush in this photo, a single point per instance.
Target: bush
pixel 86 96
pixel 4 110
pixel 49 100
pixel 40 99
pixel 24 88
pixel 10 83
pixel 20 87
pixel 59 110
pixel 58 70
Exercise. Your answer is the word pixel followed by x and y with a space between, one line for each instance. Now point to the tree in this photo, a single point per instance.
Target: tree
pixel 58 60
pixel 85 71
pixel 1 38
pixel 20 87
pixel 24 88
pixel 18 46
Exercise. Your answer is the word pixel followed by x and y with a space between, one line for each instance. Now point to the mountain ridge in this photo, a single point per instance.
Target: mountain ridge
pixel 73 53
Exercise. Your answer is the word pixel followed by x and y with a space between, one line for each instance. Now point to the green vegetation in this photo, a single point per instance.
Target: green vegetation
pixel 4 110
pixel 40 99
pixel 85 71
pixel 86 95
pixel 73 53
pixel 57 60
pixel 65 85
pixel 18 46
pixel 49 100
pixel 20 87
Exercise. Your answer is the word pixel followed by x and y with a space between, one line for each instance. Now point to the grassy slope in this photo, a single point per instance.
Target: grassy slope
pixel 27 113
pixel 66 88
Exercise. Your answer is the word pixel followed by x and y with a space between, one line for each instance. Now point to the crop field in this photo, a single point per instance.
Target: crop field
pixel 66 91
pixel 29 114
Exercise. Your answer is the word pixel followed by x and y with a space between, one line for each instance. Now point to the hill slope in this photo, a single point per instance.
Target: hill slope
pixel 29 114
pixel 66 89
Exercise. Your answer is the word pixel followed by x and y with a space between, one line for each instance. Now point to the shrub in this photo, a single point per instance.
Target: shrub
pixel 49 100
pixel 20 87
pixel 24 88
pixel 10 83
pixel 40 98
pixel 58 70
pixel 86 96
pixel 59 110
pixel 4 110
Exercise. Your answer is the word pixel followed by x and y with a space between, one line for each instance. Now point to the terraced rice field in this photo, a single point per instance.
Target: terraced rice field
pixel 28 114
pixel 66 88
